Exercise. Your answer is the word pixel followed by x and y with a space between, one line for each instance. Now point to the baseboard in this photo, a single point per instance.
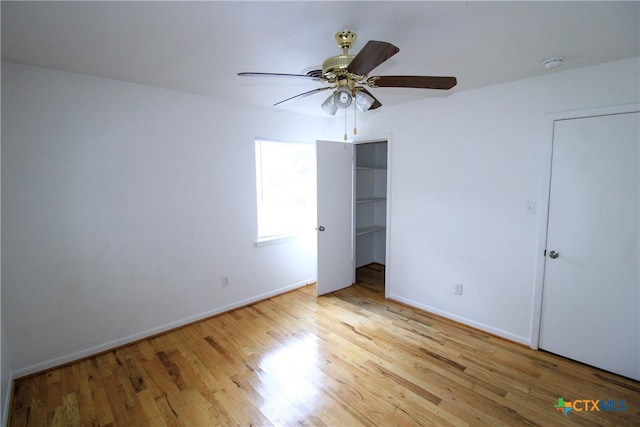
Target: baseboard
pixel 111 345
pixel 7 402
pixel 463 320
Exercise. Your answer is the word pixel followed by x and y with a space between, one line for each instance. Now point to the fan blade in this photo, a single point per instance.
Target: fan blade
pixel 298 76
pixel 302 95
pixel 372 54
pixel 419 82
pixel 376 103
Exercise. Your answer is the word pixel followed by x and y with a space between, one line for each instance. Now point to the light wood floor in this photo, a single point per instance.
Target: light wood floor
pixel 347 359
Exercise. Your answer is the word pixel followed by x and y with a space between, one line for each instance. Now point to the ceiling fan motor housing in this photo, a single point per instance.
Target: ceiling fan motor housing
pixel 336 65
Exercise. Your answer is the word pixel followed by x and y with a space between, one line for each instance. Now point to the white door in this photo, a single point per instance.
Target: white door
pixel 591 295
pixel 335 216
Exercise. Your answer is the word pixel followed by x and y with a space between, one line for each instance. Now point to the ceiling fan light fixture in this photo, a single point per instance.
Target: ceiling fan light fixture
pixel 342 98
pixel 364 101
pixel 329 106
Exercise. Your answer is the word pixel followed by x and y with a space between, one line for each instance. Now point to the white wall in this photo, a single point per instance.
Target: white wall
pixel 462 169
pixel 122 207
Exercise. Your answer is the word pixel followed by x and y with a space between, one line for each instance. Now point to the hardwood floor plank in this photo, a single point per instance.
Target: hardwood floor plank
pixel 103 410
pixel 68 413
pixel 350 358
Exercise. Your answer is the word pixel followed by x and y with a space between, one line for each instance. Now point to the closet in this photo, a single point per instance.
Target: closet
pixel 370 203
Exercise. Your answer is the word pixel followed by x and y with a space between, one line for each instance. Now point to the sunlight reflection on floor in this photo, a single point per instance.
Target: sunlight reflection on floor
pixel 290 378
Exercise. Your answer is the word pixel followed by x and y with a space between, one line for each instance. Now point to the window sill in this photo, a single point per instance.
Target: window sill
pixel 276 240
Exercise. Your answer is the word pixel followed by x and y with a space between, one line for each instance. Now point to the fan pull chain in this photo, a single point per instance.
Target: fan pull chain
pixel 355 112
pixel 345 124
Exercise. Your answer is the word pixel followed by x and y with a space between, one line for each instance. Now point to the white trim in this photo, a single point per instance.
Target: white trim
pixel 276 240
pixel 463 320
pixel 594 112
pixel 291 141
pixel 388 266
pixel 538 287
pixel 7 402
pixel 101 348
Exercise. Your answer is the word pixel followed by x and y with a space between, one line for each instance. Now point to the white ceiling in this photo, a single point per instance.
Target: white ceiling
pixel 200 47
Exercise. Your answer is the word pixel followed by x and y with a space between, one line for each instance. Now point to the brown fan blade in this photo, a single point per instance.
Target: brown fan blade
pixel 372 54
pixel 376 103
pixel 302 95
pixel 298 76
pixel 419 82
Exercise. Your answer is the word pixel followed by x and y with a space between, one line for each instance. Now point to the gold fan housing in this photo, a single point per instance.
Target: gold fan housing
pixel 345 39
pixel 336 65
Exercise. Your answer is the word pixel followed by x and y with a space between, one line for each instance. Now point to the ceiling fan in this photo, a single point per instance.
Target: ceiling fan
pixel 348 76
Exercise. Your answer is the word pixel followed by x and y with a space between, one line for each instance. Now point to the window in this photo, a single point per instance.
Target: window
pixel 286 188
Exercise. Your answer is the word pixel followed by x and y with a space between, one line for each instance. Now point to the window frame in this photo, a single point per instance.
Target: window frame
pixel 294 234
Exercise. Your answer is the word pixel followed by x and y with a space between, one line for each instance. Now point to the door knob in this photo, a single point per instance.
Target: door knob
pixel 553 254
pixel 321 228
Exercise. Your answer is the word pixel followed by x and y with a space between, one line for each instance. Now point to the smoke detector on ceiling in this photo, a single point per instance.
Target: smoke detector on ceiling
pixel 554 62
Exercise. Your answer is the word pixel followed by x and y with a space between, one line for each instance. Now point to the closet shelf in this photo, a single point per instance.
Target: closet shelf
pixel 369 229
pixel 370 199
pixel 370 168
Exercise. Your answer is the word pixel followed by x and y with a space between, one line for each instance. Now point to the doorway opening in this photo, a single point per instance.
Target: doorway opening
pixel 371 213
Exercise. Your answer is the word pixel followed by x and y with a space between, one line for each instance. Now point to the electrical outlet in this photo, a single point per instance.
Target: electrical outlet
pixel 457 290
pixel 226 281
